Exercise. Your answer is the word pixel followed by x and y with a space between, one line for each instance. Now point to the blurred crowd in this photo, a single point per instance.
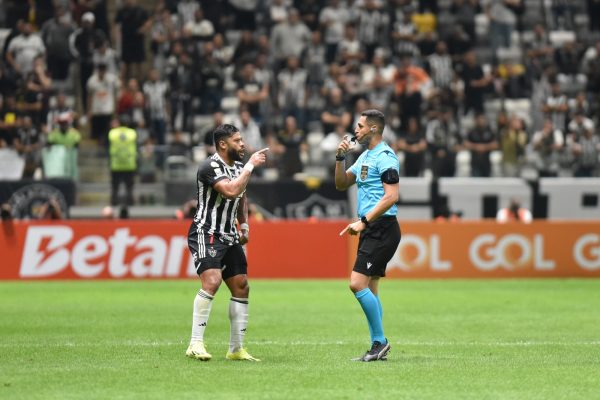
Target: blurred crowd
pixel 470 87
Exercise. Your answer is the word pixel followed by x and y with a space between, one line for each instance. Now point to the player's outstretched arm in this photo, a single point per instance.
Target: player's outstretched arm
pixel 233 188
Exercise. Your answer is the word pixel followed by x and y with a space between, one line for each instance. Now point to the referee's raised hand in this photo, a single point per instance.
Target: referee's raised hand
pixel 343 147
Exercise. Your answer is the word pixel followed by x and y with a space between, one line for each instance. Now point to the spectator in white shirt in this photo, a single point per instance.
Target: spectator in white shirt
pixel 102 90
pixel 289 38
pixel 333 19
pixel 199 27
pixel 155 92
pixel 291 94
pixel 25 48
pixel 186 10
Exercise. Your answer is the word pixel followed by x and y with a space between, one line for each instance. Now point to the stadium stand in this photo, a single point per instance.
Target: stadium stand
pixel 520 64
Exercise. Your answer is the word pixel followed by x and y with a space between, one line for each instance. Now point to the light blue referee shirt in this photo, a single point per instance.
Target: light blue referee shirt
pixel 368 169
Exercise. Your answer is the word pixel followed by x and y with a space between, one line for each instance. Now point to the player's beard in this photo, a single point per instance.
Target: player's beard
pixel 235 155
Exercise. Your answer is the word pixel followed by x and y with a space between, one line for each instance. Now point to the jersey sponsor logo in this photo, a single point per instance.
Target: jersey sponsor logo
pixel 364 170
pixel 218 169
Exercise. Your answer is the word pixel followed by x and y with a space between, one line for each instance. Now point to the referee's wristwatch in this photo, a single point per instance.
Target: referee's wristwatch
pixel 364 220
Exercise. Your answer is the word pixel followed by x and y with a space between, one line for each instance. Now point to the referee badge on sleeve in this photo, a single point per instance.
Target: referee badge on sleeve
pixel 364 170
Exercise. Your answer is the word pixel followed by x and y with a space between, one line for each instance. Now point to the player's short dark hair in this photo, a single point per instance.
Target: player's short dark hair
pixel 375 117
pixel 222 132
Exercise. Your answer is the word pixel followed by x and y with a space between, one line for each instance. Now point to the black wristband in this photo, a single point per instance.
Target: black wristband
pixel 364 220
pixel 340 158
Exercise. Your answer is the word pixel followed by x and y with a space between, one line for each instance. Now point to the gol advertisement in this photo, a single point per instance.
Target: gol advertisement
pixel 488 249
pixel 292 249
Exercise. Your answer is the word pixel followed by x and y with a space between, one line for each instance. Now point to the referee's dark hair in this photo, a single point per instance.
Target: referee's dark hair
pixel 222 132
pixel 375 117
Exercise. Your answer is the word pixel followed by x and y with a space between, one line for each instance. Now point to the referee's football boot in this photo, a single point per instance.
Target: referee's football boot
pixel 378 352
pixel 240 355
pixel 198 351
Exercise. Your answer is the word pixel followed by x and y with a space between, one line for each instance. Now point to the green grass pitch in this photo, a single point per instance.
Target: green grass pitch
pixel 454 339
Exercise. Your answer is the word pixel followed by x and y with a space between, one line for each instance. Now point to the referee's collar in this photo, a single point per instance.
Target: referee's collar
pixel 377 148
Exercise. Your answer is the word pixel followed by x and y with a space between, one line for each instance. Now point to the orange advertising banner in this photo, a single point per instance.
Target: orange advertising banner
pixel 134 249
pixel 487 249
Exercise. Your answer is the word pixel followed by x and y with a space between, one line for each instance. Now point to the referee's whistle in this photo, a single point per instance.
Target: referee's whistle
pixel 351 138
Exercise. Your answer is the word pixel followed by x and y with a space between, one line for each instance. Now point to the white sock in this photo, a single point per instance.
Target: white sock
pixel 202 305
pixel 238 318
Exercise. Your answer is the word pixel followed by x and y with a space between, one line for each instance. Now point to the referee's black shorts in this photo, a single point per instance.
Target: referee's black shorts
pixel 212 251
pixel 377 245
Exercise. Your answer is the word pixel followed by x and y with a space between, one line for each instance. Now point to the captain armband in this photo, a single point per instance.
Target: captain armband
pixel 390 176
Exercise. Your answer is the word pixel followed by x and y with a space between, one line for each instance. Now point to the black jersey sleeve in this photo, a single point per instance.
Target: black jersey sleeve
pixel 211 172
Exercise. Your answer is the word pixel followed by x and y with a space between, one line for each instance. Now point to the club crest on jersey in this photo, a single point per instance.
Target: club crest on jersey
pixel 212 252
pixel 364 170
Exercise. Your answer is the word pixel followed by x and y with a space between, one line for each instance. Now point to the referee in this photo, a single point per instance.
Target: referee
pixel 376 175
pixel 216 243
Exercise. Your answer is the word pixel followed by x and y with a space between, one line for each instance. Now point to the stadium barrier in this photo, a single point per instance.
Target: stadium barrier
pixel 129 249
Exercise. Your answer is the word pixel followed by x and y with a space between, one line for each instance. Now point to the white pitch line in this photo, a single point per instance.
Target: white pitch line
pixel 135 343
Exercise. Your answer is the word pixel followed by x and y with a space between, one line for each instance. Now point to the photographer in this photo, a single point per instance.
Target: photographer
pixel 6 212
pixel 547 146
pixel 514 213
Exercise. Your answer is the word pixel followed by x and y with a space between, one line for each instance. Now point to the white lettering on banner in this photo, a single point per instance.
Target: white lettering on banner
pixel 540 263
pixel 177 248
pixel 119 243
pixel 436 263
pixel 487 253
pixel 425 251
pixel 579 252
pixel 46 253
pixel 89 248
pixel 151 262
pixel 33 264
pixel 191 269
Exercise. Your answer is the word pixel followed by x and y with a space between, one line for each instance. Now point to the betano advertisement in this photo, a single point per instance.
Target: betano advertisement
pixel 293 249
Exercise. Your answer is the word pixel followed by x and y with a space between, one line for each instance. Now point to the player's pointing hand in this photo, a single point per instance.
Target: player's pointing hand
pixel 259 157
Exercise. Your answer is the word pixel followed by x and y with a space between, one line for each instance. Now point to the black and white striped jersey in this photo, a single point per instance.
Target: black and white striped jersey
pixel 216 214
